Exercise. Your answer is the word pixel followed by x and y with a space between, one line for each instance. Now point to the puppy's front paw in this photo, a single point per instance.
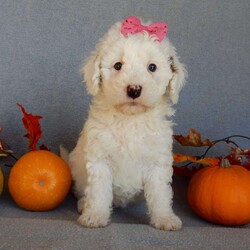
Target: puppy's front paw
pixel 93 220
pixel 170 223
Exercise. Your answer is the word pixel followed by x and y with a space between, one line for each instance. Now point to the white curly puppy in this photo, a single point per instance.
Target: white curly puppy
pixel 125 148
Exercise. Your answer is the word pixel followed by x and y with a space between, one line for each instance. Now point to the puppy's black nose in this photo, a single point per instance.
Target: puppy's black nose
pixel 134 91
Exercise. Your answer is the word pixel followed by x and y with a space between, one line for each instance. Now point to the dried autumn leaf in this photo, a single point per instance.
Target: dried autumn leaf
pixel 234 159
pixel 193 139
pixel 1 144
pixel 208 161
pixel 239 151
pixel 247 165
pixel 178 158
pixel 32 125
pixel 3 152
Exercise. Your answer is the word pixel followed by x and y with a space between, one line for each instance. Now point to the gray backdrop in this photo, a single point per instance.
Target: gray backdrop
pixel 43 43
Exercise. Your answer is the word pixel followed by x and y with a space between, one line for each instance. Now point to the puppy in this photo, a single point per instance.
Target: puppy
pixel 124 151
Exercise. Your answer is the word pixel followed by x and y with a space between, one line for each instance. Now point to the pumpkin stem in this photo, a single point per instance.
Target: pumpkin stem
pixel 225 163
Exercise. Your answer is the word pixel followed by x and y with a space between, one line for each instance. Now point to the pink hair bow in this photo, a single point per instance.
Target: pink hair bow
pixel 132 25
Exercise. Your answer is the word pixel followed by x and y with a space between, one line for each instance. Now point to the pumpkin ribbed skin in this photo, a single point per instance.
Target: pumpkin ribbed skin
pixel 221 194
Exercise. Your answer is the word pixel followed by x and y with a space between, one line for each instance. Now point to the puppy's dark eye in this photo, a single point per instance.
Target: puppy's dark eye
pixel 118 66
pixel 152 67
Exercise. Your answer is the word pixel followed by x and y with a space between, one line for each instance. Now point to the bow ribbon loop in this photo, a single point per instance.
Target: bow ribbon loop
pixel 132 25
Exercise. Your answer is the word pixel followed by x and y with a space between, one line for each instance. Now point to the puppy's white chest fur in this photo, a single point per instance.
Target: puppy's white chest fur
pixel 131 147
pixel 127 160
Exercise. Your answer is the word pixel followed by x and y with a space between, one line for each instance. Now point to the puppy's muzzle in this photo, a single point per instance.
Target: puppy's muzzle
pixel 134 91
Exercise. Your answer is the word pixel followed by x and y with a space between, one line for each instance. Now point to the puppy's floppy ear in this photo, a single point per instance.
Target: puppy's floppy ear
pixel 179 76
pixel 91 69
pixel 92 73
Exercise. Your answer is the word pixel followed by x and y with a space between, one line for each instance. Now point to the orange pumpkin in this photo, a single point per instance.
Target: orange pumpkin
pixel 39 181
pixel 221 194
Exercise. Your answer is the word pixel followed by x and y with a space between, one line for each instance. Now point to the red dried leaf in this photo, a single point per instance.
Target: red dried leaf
pixel 193 139
pixel 247 165
pixel 234 159
pixel 32 125
pixel 239 151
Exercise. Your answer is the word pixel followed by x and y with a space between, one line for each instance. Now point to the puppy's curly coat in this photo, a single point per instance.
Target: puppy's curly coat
pixel 124 151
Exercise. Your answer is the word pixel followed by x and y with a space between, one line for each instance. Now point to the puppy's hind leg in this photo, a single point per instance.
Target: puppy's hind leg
pixel 97 201
pixel 158 194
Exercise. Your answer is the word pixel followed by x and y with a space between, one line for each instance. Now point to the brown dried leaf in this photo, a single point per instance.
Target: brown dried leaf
pixel 193 139
pixel 178 158
pixel 208 161
pixel 3 152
